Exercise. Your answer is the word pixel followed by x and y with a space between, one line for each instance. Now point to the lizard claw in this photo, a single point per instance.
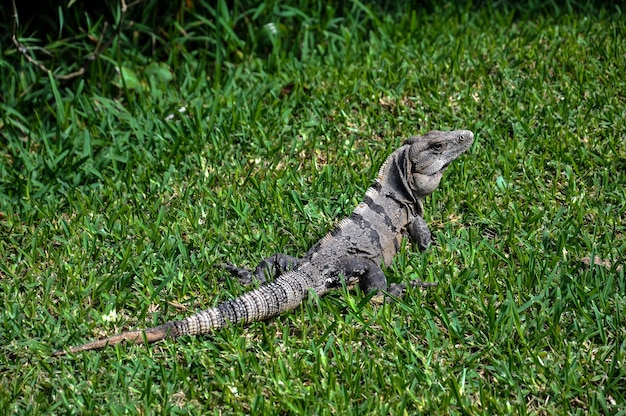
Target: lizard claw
pixel 398 291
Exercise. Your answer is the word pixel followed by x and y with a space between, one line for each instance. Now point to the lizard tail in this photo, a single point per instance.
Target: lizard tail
pixel 137 337
pixel 281 295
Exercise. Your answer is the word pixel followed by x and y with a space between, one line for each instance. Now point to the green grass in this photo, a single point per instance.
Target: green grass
pixel 116 205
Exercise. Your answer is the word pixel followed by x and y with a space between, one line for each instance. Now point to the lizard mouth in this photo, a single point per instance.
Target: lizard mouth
pixel 443 167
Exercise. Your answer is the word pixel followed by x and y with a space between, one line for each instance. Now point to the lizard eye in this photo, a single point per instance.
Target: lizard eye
pixel 437 147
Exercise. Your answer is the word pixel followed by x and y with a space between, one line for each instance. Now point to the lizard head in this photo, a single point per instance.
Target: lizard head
pixel 430 154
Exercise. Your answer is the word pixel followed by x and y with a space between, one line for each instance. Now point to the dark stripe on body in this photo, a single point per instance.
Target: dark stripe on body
pixel 379 209
pixel 366 226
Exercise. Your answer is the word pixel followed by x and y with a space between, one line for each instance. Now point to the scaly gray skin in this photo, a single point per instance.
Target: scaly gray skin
pixel 353 251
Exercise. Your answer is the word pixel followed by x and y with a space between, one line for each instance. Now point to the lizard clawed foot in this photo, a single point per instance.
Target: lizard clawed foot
pixel 398 290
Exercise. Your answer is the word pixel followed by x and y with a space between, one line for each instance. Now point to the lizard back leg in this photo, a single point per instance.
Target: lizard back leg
pixel 371 277
pixel 269 268
pixel 368 274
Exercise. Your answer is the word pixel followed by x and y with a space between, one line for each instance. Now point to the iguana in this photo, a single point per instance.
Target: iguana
pixel 353 251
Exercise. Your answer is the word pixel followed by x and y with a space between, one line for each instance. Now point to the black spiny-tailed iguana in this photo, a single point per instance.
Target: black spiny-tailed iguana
pixel 353 251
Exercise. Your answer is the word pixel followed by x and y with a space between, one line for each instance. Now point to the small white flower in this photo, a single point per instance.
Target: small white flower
pixel 110 317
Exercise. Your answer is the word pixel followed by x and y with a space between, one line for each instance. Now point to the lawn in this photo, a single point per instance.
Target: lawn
pixel 199 134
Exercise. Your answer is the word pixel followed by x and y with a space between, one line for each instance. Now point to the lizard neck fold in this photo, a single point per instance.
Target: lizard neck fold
pixel 393 179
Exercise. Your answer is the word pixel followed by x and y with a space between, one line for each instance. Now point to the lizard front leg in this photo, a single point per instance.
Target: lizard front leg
pixel 419 233
pixel 270 267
